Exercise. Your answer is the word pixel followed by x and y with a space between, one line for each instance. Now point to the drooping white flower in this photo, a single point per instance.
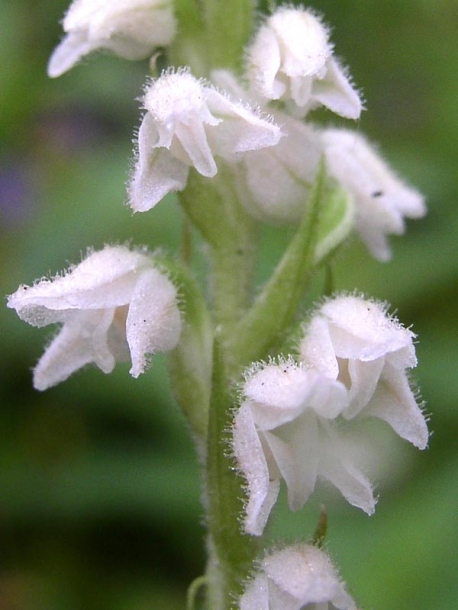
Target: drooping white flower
pixel 284 430
pixel 354 341
pixel 274 183
pixel 295 578
pixel 291 59
pixel 130 28
pixel 186 125
pixel 382 200
pixel 114 306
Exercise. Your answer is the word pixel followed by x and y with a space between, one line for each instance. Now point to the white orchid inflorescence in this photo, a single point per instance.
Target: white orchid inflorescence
pixel 233 136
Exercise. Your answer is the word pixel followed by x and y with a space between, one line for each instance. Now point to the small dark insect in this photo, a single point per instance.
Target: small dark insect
pixel 377 194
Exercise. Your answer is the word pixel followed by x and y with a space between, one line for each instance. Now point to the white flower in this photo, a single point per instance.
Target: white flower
pixel 187 124
pixel 354 341
pixel 274 183
pixel 284 430
pixel 113 306
pixel 296 578
pixel 381 198
pixel 130 28
pixel 291 59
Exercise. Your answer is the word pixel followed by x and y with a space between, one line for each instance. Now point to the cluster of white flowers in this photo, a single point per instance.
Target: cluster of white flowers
pixel 353 363
pixel 289 65
pixel 114 306
pixel 296 418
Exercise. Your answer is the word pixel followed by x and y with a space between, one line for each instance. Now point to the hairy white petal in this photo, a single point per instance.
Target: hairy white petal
pixel 394 402
pixel 252 462
pixel 336 92
pixel 153 322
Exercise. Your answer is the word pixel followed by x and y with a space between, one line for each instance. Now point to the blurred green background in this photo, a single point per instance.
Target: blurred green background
pixel 99 484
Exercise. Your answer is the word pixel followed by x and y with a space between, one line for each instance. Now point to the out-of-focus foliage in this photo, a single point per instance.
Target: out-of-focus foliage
pixel 99 483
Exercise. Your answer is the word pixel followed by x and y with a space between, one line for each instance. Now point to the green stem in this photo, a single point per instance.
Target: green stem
pixel 231 235
pixel 188 48
pixel 275 308
pixel 228 27
pixel 231 553
pixel 190 362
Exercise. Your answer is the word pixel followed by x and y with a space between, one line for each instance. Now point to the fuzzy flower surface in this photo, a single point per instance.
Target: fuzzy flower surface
pixel 298 577
pixel 187 124
pixel 285 429
pixel 291 60
pixel 113 306
pixel 129 28
pixel 274 183
pixel 382 200
pixel 354 341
